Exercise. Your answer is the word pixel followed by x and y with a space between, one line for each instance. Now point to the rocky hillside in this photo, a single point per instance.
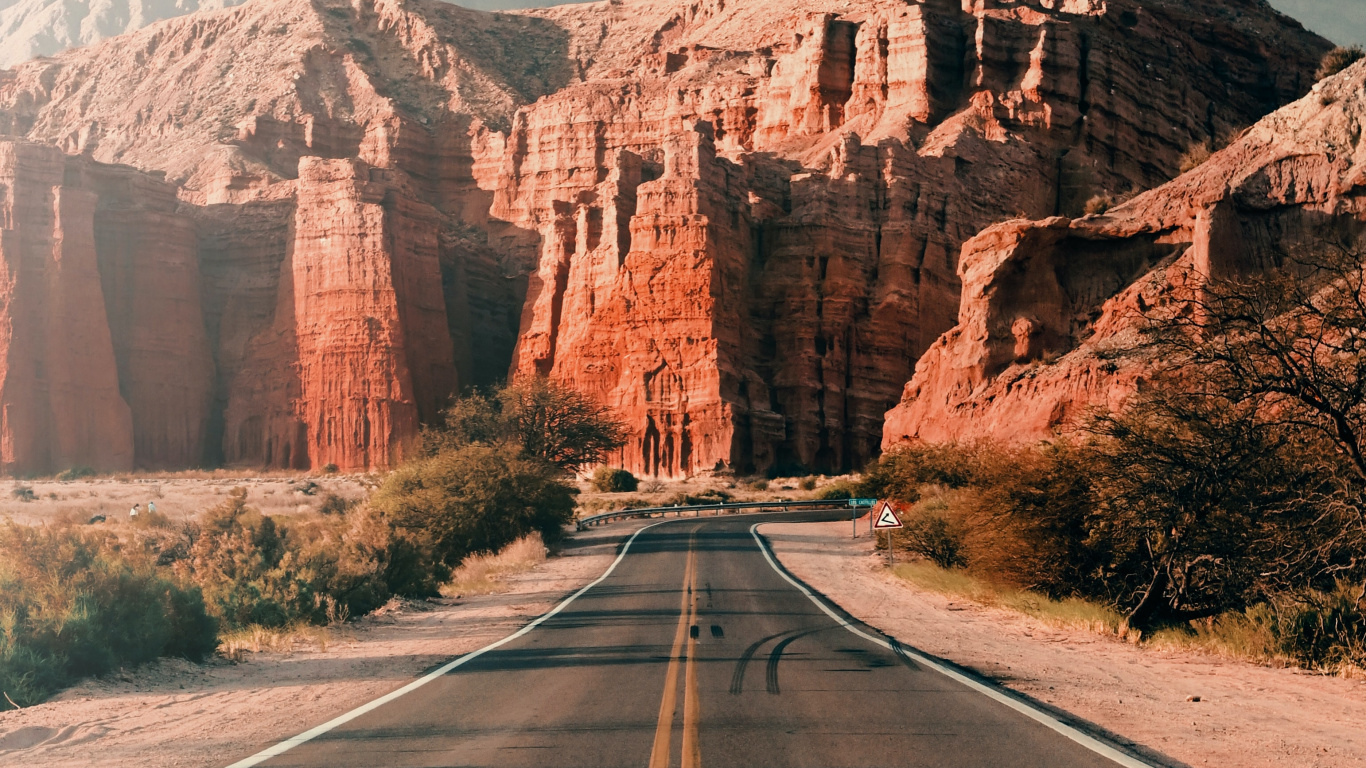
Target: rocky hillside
pixel 1050 308
pixel 739 234
pixel 30 28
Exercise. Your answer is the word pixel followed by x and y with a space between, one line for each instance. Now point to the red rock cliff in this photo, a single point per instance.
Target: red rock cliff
pixel 736 223
pixel 1050 309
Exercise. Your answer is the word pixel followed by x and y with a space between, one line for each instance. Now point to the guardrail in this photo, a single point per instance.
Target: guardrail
pixel 723 508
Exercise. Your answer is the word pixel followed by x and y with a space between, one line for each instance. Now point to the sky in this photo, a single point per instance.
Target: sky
pixel 1342 21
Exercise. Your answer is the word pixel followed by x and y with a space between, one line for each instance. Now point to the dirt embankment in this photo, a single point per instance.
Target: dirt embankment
pixel 1247 716
pixel 174 713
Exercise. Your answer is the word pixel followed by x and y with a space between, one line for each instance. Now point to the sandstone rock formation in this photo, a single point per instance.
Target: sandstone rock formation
pixel 740 234
pixel 103 356
pixel 1050 309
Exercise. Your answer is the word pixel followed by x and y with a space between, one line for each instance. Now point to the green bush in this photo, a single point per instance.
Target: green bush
pixel 842 489
pixel 900 473
pixel 612 480
pixel 540 418
pixel 933 533
pixel 476 499
pixel 73 603
pixel 807 484
pixel 247 569
pixel 23 493
pixel 75 473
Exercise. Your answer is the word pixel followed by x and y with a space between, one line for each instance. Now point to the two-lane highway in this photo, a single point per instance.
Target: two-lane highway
pixel 695 650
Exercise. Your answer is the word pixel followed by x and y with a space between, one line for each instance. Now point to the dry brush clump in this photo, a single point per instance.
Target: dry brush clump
pixel 1159 536
pixel 77 602
pixel 79 599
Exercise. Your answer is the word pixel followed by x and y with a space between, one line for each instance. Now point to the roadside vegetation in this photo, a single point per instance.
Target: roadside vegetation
pixel 491 488
pixel 1225 507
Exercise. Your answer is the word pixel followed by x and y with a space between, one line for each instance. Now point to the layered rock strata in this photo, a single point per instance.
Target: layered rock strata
pixel 738 234
pixel 1051 309
pixel 102 355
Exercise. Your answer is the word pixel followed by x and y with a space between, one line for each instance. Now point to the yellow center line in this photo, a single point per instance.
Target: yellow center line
pixel 659 755
pixel 692 707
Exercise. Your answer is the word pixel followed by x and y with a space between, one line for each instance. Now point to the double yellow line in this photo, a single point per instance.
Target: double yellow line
pixel 684 650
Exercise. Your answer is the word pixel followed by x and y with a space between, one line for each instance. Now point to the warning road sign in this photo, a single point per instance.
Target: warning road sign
pixel 886 517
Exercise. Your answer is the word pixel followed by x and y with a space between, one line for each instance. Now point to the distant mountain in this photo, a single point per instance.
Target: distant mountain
pixel 1342 21
pixel 30 28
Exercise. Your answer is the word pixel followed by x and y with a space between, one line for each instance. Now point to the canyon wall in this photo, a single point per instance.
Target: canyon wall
pixel 737 224
pixel 1049 325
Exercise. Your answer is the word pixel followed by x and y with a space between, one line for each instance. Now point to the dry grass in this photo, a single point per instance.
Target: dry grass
pixel 1231 635
pixel 1195 156
pixel 1070 613
pixel 178 495
pixel 487 574
pixel 256 639
pixel 1245 636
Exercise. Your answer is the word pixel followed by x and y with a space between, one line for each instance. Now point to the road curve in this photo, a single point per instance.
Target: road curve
pixel 695 650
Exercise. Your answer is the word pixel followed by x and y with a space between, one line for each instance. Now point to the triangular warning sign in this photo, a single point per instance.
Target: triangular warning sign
pixel 886 517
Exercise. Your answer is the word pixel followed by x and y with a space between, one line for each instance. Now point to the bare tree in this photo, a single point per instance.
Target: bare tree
pixel 1267 364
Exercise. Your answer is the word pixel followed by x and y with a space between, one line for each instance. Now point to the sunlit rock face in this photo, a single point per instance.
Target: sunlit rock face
pixel 738 224
pixel 1051 309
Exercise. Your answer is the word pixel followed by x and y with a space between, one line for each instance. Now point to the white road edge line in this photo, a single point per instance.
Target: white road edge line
pixel 309 735
pixel 1039 716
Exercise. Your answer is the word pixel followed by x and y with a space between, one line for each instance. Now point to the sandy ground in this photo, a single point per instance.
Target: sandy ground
pixel 174 713
pixel 1247 716
pixel 177 495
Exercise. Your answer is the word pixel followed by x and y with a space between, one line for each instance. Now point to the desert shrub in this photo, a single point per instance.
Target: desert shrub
pixel 900 473
pixel 356 561
pixel 841 489
pixel 1099 204
pixel 807 484
pixel 1195 156
pixel 1339 59
pixel 934 532
pixel 542 419
pixel 23 493
pixel 72 604
pixel 597 506
pixel 330 469
pixel 476 499
pixel 1027 516
pixel 756 484
pixel 1324 630
pixel 75 473
pixel 248 571
pixel 708 496
pixel 336 505
pixel 612 480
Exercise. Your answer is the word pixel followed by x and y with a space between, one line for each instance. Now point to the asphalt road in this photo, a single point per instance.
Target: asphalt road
pixel 694 652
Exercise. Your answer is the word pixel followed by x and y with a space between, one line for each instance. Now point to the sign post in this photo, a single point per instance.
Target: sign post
pixel 855 505
pixel 885 518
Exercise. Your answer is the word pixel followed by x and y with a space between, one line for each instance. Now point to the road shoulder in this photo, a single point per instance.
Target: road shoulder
pixel 1247 715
